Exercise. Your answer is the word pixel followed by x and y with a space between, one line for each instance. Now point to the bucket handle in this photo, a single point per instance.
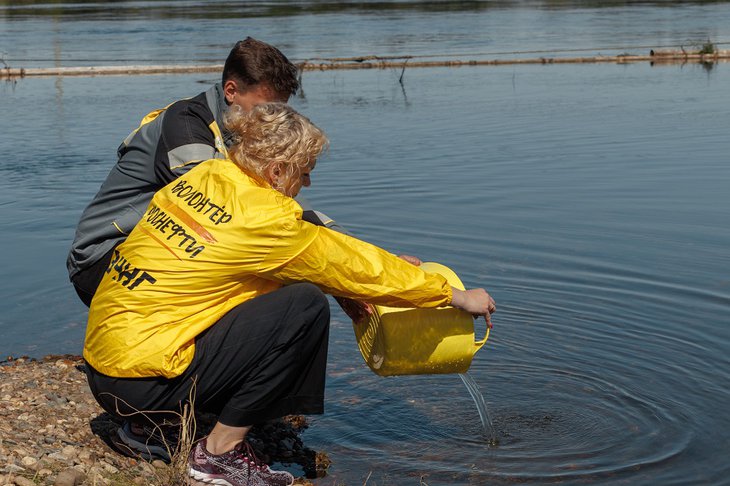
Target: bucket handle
pixel 478 344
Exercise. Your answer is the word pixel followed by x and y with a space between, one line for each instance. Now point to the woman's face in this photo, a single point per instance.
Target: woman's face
pixel 289 187
pixel 304 180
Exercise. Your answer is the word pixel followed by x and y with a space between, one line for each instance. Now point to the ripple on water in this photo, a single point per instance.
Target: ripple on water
pixel 552 425
pixel 566 423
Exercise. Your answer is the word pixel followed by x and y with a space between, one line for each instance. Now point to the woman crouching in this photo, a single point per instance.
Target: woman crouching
pixel 217 296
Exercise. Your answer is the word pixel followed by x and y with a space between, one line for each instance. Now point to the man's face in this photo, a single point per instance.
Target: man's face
pixel 256 95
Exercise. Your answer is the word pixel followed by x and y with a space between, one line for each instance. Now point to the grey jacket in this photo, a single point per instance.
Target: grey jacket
pixel 167 144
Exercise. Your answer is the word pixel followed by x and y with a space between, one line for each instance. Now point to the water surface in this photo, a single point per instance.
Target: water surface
pixel 37 33
pixel 590 200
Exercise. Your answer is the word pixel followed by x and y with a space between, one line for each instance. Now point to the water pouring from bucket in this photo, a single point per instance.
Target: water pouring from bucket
pixel 396 341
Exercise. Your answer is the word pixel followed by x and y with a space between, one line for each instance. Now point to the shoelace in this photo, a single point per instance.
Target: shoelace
pixel 253 459
pixel 246 455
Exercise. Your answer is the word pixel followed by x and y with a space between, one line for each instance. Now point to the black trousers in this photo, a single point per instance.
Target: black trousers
pixel 266 358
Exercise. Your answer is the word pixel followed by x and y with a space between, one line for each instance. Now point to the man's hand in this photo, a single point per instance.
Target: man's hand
pixel 411 259
pixel 359 311
pixel 355 310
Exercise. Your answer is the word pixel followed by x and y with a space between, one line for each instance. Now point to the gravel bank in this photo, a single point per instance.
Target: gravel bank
pixel 52 432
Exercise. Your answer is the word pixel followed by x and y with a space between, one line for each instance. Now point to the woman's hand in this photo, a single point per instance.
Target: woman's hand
pixel 475 301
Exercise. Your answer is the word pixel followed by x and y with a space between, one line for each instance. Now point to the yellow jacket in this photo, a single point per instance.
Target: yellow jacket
pixel 215 238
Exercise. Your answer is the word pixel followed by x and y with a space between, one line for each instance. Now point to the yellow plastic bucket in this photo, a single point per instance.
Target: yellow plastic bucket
pixel 397 341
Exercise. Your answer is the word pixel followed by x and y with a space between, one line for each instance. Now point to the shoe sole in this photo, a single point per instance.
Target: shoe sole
pixel 205 478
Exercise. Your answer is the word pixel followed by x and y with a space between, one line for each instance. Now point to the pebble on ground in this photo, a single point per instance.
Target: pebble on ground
pixel 52 432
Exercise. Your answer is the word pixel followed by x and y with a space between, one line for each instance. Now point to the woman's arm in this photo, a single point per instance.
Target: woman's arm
pixel 347 267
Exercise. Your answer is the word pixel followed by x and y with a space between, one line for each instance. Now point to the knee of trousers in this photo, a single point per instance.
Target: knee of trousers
pixel 310 295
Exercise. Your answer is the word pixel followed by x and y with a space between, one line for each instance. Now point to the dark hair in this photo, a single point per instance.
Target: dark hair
pixel 251 62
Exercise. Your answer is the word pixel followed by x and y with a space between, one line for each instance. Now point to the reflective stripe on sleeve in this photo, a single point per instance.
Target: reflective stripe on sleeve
pixel 194 152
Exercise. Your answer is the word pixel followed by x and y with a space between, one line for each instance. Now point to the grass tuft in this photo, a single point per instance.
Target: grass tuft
pixel 708 48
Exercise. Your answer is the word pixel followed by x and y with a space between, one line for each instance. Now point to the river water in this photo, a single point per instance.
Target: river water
pixel 591 200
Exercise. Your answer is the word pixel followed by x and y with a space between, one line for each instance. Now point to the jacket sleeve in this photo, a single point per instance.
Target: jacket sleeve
pixel 345 266
pixel 185 140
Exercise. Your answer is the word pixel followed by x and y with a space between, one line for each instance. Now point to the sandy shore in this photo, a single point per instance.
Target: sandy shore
pixel 53 432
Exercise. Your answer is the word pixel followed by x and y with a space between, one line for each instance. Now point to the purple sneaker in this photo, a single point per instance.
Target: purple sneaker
pixel 239 467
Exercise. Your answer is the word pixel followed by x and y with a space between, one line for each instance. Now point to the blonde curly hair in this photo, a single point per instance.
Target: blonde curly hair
pixel 274 134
